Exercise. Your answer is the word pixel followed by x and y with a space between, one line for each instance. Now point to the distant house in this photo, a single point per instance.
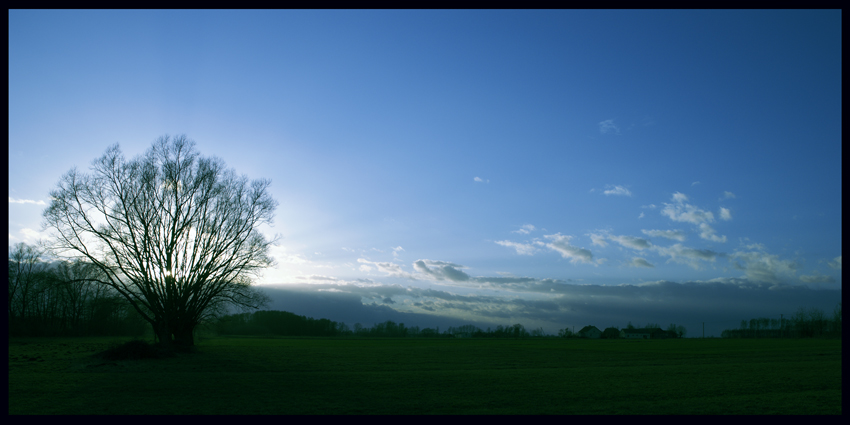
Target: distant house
pixel 644 333
pixel 635 333
pixel 590 332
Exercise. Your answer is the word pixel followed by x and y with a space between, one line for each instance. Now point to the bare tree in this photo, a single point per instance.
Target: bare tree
pixel 836 319
pixel 26 270
pixel 818 322
pixel 172 232
pixel 78 283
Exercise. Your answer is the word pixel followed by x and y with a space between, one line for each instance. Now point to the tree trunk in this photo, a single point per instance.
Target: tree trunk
pixel 185 336
pixel 163 334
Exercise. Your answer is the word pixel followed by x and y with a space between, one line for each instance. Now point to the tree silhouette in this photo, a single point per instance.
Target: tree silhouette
pixel 611 333
pixel 172 232
pixel 26 272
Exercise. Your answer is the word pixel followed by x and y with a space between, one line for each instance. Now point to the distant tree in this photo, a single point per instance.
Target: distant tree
pixel 538 332
pixel 754 327
pixel 173 233
pixel 836 319
pixel 79 284
pixel 764 323
pixel 651 325
pixel 802 326
pixel 630 325
pixel 26 270
pixel 817 320
pixel 743 328
pixel 413 331
pixel 565 333
pixel 519 331
pixel 681 331
pixel 611 333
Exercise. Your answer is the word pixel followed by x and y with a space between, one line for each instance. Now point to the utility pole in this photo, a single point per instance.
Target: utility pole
pixel 780 325
pixel 703 329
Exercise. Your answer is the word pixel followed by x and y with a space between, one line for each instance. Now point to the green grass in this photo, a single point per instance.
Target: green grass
pixel 425 376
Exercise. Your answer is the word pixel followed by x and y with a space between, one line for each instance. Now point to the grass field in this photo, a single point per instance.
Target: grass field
pixel 230 375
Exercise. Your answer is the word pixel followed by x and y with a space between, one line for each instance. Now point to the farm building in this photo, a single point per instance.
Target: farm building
pixel 644 333
pixel 590 332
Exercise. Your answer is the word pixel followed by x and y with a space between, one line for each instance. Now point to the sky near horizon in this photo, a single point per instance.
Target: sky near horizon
pixel 550 168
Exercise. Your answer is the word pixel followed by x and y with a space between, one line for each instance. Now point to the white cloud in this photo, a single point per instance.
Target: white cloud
pixel 641 215
pixel 31 235
pixel 281 256
pixel 525 229
pixel 725 214
pixel 679 210
pixel 650 206
pixel 763 267
pixel 441 270
pixel 521 248
pixel 680 197
pixel 640 262
pixel 316 277
pixel 597 239
pixel 561 244
pixel 396 250
pixel 694 183
pixel 677 235
pixel 608 126
pixel 688 256
pixel 817 278
pixel 480 180
pixel 617 190
pixel 25 201
pixel 391 269
pixel 756 246
pixel 708 233
pixel 687 213
pixel 835 263
pixel 631 242
pixel 728 195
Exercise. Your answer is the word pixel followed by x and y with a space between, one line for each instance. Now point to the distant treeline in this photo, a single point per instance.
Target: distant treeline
pixel 277 323
pixel 289 324
pixel 802 324
pixel 60 299
pixel 284 323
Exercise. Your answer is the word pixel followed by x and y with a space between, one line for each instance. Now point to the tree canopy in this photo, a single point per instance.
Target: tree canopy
pixel 173 232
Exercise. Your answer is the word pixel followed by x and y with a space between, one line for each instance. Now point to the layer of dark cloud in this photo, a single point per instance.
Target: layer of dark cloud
pixel 553 304
pixel 347 305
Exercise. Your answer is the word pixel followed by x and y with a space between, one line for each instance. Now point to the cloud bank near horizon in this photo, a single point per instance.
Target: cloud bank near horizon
pixel 552 304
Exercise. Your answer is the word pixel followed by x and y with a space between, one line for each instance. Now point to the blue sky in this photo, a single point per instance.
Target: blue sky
pixel 516 164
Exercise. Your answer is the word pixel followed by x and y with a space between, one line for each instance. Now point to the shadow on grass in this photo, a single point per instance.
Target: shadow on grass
pixel 138 349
